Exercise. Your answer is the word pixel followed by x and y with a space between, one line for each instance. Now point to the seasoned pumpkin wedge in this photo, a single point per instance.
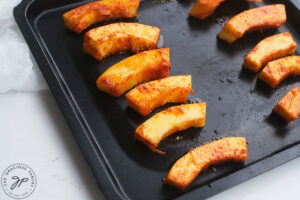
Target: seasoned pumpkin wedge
pixel 270 48
pixel 168 121
pixel 279 69
pixel 271 16
pixel 142 67
pixel 289 106
pixel 113 38
pixel 148 96
pixel 187 168
pixel 82 17
pixel 204 8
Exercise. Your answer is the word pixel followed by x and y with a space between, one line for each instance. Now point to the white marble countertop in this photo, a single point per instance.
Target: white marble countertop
pixel 34 132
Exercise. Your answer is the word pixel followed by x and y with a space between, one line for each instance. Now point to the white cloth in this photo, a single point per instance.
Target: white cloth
pixel 18 70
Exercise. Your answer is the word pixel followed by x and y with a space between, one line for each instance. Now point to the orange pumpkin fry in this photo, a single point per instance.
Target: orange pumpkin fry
pixel 113 38
pixel 171 120
pixel 187 168
pixel 271 16
pixel 279 69
pixel 289 106
pixel 270 48
pixel 142 67
pixel 204 8
pixel 82 17
pixel 148 96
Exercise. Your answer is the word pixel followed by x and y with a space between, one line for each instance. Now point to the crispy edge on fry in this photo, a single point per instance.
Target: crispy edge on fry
pixel 82 17
pixel 278 70
pixel 187 168
pixel 289 106
pixel 146 97
pixel 270 48
pixel 271 16
pixel 171 120
pixel 142 67
pixel 113 38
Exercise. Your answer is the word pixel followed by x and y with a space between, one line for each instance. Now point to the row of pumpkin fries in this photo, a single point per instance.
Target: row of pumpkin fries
pixel 147 72
pixel 267 52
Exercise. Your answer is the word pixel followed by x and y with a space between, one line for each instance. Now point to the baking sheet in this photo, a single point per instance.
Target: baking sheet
pixel 238 103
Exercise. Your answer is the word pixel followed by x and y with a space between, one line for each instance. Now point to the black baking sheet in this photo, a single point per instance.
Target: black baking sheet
pixel 237 103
